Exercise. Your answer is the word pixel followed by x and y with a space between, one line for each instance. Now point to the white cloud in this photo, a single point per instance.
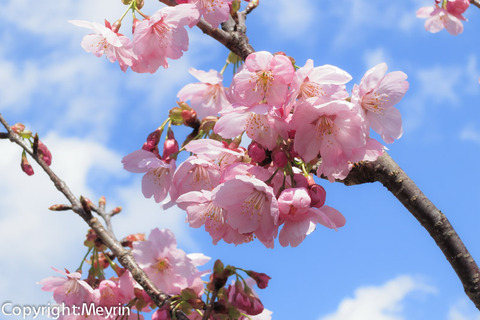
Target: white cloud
pixel 290 18
pixel 463 310
pixel 363 14
pixel 470 133
pixel 378 302
pixel 373 57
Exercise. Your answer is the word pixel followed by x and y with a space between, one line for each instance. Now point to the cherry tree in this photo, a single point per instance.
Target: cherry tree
pixel 255 165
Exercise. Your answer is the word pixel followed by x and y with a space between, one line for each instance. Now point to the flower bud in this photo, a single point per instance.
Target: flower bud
pixel 279 157
pixel 140 4
pixel 256 152
pixel 260 278
pixel 457 7
pixel 152 140
pixel 170 146
pixel 60 207
pixel 44 153
pixel 318 195
pixel 25 165
pixel 18 128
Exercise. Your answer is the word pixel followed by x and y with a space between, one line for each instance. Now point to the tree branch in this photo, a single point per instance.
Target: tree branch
pixel 475 3
pixel 387 172
pixel 124 256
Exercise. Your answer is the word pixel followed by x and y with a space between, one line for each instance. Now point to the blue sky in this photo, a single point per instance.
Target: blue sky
pixel 381 266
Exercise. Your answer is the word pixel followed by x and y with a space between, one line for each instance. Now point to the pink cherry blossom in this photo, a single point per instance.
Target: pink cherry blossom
pixel 207 97
pixel 263 79
pixel 162 36
pixel 376 95
pixel 214 150
pixel 158 173
pixel 194 174
pixel 253 209
pixel 105 41
pixel 335 130
pixel 439 18
pixel 300 218
pixel 202 211
pixel 325 82
pixel 262 128
pixel 109 294
pixel 70 290
pixel 213 11
pixel 170 268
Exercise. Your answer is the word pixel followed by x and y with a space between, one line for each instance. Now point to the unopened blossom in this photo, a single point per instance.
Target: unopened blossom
pixel 105 41
pixel 207 97
pixel 69 289
pixel 262 82
pixel 213 11
pixel 439 18
pixel 170 268
pixel 300 218
pixel 457 7
pixel 334 130
pixel 158 173
pixel 376 95
pixel 244 298
pixel 254 207
pixel 162 36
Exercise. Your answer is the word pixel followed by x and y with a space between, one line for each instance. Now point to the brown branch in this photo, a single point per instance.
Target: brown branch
pixel 475 3
pixel 124 256
pixel 387 172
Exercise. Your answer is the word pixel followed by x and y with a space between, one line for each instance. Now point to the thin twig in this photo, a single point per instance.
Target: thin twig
pixel 124 256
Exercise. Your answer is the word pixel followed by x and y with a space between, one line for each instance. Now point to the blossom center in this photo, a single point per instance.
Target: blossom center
pixel 160 29
pixel 311 89
pixel 264 81
pixel 161 265
pixel 254 203
pixel 374 102
pixel 325 126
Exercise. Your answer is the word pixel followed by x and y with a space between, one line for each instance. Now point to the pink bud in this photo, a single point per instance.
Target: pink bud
pixel 256 152
pixel 318 195
pixel 170 146
pixel 457 7
pixel 44 153
pixel 244 299
pixel 260 278
pixel 152 140
pixel 279 157
pixel 18 128
pixel 26 167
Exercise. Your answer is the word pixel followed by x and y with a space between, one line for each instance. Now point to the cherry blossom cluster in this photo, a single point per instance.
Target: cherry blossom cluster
pixel 296 121
pixel 156 37
pixel 172 270
pixel 446 14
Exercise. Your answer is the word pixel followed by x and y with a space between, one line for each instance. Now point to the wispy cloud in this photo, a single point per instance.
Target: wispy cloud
pixel 463 310
pixel 290 18
pixel 470 133
pixel 378 302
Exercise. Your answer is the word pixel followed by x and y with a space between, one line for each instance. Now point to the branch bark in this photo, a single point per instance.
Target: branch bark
pixel 475 3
